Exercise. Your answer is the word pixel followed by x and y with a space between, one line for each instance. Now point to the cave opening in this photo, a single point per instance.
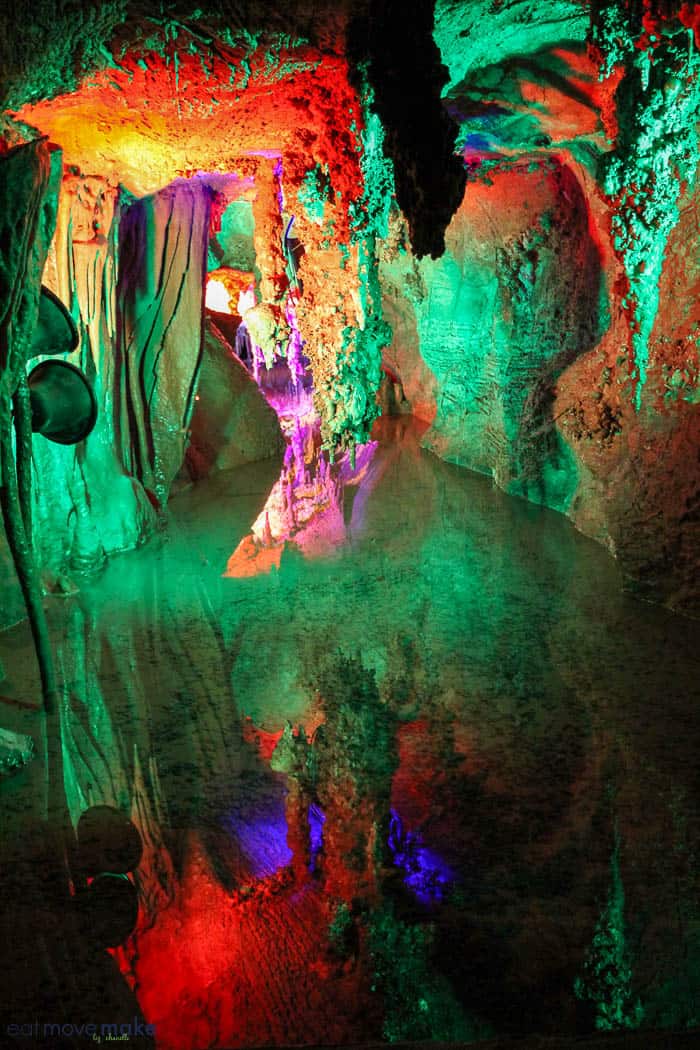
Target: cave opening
pixel 349 598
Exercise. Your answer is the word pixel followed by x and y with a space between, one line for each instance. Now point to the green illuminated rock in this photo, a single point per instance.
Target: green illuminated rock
pixel 418 1002
pixel 514 300
pixel 606 980
pixel 475 35
pixel 658 109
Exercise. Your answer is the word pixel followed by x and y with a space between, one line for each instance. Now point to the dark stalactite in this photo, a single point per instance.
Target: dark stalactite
pixel 395 40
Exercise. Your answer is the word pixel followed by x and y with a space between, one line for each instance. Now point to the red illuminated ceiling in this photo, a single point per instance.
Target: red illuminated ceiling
pixel 156 117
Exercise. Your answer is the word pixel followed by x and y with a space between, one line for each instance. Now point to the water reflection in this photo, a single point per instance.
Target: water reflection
pixel 424 785
pixel 313 506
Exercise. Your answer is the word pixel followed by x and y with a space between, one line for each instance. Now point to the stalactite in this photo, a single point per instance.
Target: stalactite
pixel 269 230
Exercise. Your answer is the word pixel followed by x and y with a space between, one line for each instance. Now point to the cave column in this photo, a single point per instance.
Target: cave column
pixel 29 178
pixel 163 243
pixel 85 485
pixel 268 235
pixel 330 312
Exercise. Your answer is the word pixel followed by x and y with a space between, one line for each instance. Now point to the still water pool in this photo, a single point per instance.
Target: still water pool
pixel 422 772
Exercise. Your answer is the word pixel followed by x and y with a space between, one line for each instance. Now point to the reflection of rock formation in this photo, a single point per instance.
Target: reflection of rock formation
pixel 356 758
pixel 513 686
pixel 338 803
pixel 306 505
pixel 16 750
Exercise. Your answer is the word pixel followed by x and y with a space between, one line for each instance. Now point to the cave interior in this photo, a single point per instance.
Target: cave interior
pixel 350 484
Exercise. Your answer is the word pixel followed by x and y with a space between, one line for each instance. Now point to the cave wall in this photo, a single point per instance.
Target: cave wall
pixel 514 345
pixel 516 297
pixel 639 468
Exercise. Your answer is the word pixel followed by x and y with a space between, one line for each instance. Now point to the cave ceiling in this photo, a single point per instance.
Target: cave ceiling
pixel 142 94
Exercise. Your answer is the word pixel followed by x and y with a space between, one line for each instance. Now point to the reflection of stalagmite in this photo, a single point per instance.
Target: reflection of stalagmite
pixel 291 757
pixel 357 756
pixel 606 981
